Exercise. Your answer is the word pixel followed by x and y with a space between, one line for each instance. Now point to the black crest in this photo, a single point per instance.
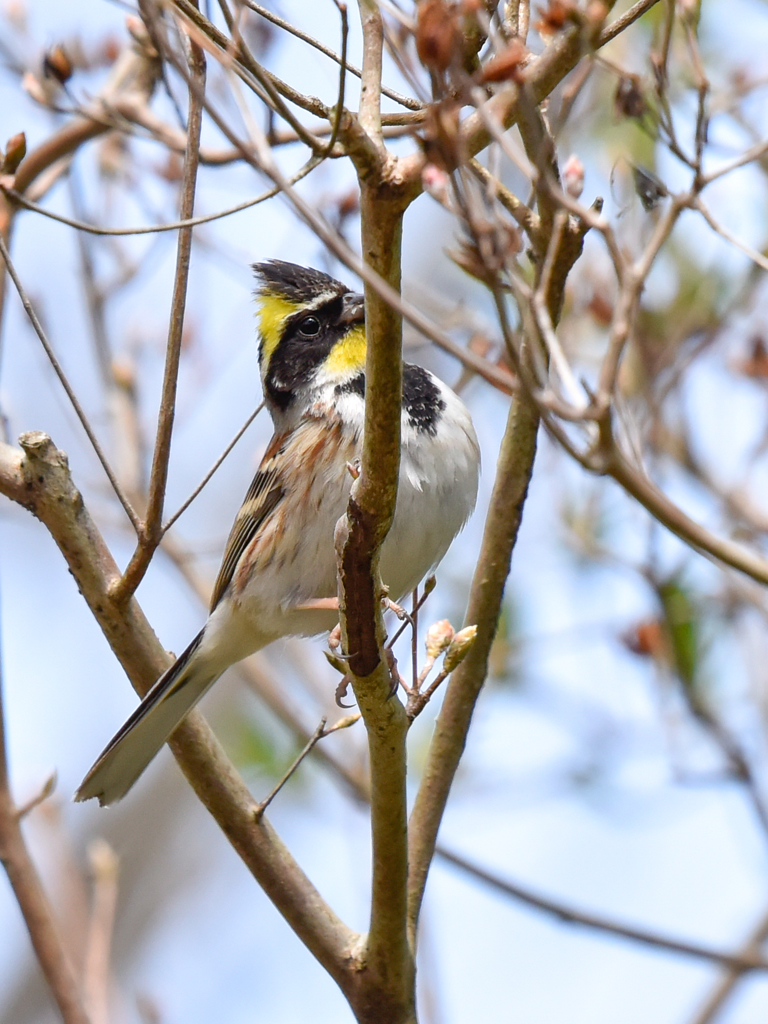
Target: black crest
pixel 296 284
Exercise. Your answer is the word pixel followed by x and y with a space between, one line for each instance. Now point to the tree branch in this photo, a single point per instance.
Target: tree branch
pixel 513 473
pixel 38 478
pixel 716 1000
pixel 386 991
pixel 749 959
pixel 38 916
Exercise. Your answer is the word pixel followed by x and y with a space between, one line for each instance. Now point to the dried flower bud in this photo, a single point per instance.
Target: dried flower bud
pixel 480 344
pixel 124 374
pixel 554 17
pixel 437 34
pixel 756 364
pixel 15 12
pixel 172 169
pixel 109 51
pixel 468 257
pixel 573 176
pixel 506 65
pixel 436 181
pixel 138 31
pixel 459 648
pixel 484 256
pixel 15 151
pixel 440 139
pixel 57 65
pixel 439 636
pixel 628 100
pixel 349 204
pixel 601 309
pixel 646 639
pixel 33 87
pixel 595 16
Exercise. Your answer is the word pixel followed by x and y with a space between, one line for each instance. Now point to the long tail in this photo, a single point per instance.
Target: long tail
pixel 130 751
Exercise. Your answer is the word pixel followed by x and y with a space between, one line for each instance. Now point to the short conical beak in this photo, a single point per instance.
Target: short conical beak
pixel 353 310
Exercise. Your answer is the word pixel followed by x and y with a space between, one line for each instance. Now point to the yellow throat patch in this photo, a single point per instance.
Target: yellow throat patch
pixel 347 354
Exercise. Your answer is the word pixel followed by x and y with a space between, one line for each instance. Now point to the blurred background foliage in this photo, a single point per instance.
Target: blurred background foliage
pixel 618 757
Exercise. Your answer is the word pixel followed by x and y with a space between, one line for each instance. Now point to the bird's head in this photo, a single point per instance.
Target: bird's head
pixel 311 331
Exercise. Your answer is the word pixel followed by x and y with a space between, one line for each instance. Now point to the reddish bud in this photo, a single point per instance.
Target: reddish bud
pixel 756 365
pixel 437 34
pixel 601 309
pixel 435 181
pixel 349 203
pixel 15 151
pixel 554 17
pixel 506 65
pixel 647 639
pixel 573 176
pixel 57 65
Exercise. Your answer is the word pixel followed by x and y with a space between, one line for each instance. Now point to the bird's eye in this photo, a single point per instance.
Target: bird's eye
pixel 309 327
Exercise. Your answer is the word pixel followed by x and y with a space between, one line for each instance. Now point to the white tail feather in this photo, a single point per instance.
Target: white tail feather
pixel 130 751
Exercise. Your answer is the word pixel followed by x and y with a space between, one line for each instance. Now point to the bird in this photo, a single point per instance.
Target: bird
pixel 278 572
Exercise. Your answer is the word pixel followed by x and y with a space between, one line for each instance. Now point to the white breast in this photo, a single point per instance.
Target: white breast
pixel 436 495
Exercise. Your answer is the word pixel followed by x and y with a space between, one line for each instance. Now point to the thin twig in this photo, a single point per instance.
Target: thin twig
pixel 404 101
pixel 624 21
pixel 183 508
pixel 747 157
pixel 189 222
pixel 524 216
pixel 429 585
pixel 151 532
pixel 756 257
pixel 748 960
pixel 716 1000
pixel 46 790
pixel 320 733
pixel 636 483
pixel 316 736
pixel 266 85
pixel 342 9
pixel 25 882
pixel 79 411
pixel 96 970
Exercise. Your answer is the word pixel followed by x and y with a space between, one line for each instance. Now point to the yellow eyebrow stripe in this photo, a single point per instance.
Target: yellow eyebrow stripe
pixel 273 312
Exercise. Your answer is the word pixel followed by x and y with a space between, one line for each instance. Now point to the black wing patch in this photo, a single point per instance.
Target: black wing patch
pixel 264 495
pixel 421 399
